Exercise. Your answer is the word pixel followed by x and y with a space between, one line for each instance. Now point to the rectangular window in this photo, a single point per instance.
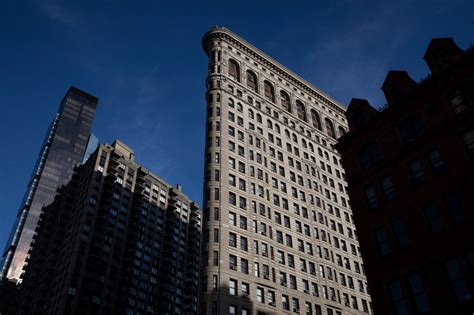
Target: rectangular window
pixel 387 187
pixel 383 244
pixel 412 128
pixel 401 232
pixel 232 287
pixel 260 295
pixel 371 197
pixel 434 217
pixel 468 138
pixel 437 163
pixel 416 171
pixel 456 210
pixel 458 282
pixel 418 292
pixel 398 298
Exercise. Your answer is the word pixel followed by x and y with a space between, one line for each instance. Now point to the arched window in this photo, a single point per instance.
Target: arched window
pixel 315 119
pixel 342 131
pixel 269 92
pixel 300 111
pixel 311 147
pixel 295 139
pixel 234 70
pixel 287 134
pixel 269 124
pixel 231 103
pixel 277 128
pixel 250 114
pixel 303 142
pixel 259 118
pixel 329 128
pixel 252 81
pixel 218 97
pixel 285 101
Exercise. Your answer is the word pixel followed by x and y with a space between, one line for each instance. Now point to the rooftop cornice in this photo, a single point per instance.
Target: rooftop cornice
pixel 270 63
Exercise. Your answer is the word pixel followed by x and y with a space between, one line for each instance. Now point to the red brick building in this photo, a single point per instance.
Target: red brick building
pixel 410 169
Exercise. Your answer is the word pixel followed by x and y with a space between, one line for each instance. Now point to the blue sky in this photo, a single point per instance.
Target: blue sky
pixel 144 61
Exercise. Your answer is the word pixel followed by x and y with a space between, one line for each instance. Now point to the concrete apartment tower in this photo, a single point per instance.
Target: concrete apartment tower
pixel 117 239
pixel 63 148
pixel 278 233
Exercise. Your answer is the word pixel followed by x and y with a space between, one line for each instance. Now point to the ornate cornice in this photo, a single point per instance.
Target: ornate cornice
pixel 273 65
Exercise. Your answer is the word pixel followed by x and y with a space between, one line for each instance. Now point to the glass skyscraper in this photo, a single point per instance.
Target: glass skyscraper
pixel 63 148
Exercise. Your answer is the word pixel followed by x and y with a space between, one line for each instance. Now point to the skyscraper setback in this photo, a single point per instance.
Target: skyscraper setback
pixel 64 147
pixel 278 234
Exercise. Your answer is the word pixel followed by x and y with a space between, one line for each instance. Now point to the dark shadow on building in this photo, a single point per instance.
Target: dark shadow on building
pixel 410 169
pixel 117 239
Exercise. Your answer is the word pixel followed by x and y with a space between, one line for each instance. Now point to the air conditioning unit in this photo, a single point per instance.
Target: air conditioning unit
pixel 315 294
pixel 272 303
pixel 283 284
pixel 306 291
pixel 265 254
pixel 296 310
pixel 246 296
pixel 266 277
pixel 233 267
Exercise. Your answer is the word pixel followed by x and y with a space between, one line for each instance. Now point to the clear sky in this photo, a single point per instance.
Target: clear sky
pixel 144 61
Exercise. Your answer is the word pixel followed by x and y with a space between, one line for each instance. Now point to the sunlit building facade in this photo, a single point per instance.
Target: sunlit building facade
pixel 278 233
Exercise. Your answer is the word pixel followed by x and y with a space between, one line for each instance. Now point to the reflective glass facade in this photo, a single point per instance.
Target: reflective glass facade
pixel 63 148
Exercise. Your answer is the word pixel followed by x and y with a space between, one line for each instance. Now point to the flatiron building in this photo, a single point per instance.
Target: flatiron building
pixel 278 232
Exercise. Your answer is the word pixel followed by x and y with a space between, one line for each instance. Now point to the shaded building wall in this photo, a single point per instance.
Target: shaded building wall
pixel 103 246
pixel 410 171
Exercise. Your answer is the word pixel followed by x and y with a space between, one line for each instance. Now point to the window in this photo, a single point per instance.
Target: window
pixel 456 210
pixel 244 265
pixel 285 302
pixel 268 91
pixel 398 298
pixel 457 103
pixel 369 155
pixel 342 131
pixel 316 121
pixel 401 232
pixel 434 218
pixel 232 239
pixel 243 243
pixel 468 138
pixel 252 81
pixel 329 128
pixel 271 297
pixel 260 295
pixel 234 70
pixel 285 101
pixel 232 287
pixel 387 187
pixel 300 110
pixel 416 170
pixel 371 197
pixel 412 128
pixel 233 262
pixel 232 310
pixel 458 283
pixel 232 198
pixel 418 292
pixel 382 241
pixel 437 163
